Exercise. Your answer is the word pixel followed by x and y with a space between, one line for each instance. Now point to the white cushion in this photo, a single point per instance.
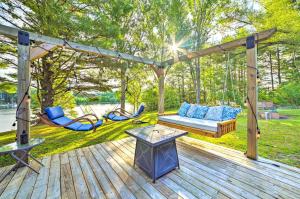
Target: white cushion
pixel 208 125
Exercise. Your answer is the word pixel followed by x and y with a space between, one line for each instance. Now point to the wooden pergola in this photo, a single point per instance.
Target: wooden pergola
pixel 26 54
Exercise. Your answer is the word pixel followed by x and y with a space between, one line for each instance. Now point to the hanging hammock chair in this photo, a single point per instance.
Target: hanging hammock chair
pixel 119 114
pixel 55 116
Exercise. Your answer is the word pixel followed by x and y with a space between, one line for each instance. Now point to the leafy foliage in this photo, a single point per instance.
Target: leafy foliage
pixel 148 29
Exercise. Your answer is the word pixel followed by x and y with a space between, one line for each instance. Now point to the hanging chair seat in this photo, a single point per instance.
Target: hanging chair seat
pixel 77 126
pixel 122 115
pixel 55 116
pixel 112 116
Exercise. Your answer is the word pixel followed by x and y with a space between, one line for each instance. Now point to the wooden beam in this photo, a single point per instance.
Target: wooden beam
pixel 41 50
pixel 252 98
pixel 23 112
pixel 13 32
pixel 260 36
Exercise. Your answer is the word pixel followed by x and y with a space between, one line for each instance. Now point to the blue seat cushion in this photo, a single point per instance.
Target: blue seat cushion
pixel 230 113
pixel 200 112
pixel 214 113
pixel 183 109
pixel 208 125
pixel 77 126
pixel 115 117
pixel 191 111
pixel 98 123
pixel 54 112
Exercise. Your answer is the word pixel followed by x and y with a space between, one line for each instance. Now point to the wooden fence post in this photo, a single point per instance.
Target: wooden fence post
pixel 252 97
pixel 23 113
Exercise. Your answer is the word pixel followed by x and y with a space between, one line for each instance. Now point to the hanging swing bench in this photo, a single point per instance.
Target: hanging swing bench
pixel 211 124
pixel 207 121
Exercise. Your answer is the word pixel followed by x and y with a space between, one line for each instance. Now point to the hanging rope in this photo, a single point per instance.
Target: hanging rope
pixel 226 76
pixel 231 79
pixel 79 92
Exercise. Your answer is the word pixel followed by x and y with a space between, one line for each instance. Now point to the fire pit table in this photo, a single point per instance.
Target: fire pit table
pixel 155 151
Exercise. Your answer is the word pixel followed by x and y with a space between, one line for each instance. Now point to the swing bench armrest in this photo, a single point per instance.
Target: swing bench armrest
pixel 226 126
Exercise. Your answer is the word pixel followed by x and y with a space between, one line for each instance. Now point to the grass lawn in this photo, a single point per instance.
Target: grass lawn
pixel 280 139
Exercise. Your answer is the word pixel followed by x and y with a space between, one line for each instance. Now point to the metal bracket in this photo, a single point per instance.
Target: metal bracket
pixel 23 38
pixel 250 42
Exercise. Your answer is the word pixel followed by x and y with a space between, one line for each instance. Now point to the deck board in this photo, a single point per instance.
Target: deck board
pixel 66 182
pixel 26 187
pixel 41 184
pixel 106 171
pixel 243 178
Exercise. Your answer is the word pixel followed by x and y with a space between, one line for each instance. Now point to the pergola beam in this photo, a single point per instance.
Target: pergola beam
pixel 13 32
pixel 260 36
pixel 41 50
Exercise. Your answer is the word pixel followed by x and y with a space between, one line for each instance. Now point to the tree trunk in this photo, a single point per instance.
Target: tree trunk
pixel 278 64
pixel 161 90
pixel 179 88
pixel 47 82
pixel 123 88
pixel 192 72
pixel 271 70
pixel 182 84
pixel 198 83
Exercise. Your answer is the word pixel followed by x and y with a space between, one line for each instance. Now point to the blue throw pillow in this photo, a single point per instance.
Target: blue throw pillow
pixel 54 112
pixel 230 113
pixel 183 109
pixel 200 112
pixel 191 110
pixel 214 113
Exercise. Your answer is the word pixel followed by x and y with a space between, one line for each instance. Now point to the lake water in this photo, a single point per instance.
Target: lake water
pixel 7 116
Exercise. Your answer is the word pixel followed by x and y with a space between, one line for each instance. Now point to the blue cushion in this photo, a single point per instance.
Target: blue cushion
pixel 139 111
pixel 183 109
pixel 191 110
pixel 115 117
pixel 98 123
pixel 200 112
pixel 208 125
pixel 230 113
pixel 54 112
pixel 86 127
pixel 214 113
pixel 77 126
pixel 65 120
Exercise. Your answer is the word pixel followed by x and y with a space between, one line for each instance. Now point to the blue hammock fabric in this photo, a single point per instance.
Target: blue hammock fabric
pixel 112 116
pixel 57 116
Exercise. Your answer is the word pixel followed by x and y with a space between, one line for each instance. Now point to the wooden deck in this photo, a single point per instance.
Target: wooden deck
pixel 105 171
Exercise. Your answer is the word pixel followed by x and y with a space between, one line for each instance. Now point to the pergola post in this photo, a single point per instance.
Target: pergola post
pixel 251 97
pixel 23 113
pixel 161 90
